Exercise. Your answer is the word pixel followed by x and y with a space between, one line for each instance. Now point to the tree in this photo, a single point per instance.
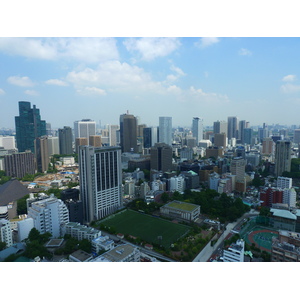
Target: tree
pixel 165 197
pixel 2 245
pixel 22 205
pixel 85 245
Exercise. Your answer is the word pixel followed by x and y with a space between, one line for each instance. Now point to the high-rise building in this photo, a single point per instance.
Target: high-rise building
pixel 29 126
pixel 41 154
pixel 282 157
pixel 284 182
pixel 165 130
pixel 53 145
pixel 95 141
pixel 49 214
pixel 296 136
pixel 263 132
pixel 161 157
pixel 81 142
pixel 268 146
pixel 112 129
pixel 65 136
pixel 100 181
pixel 242 125
pixel 7 142
pixel 237 167
pixel 71 198
pixel 197 129
pixel 6 232
pixel 19 164
pixel 84 128
pixel 232 127
pixel 128 133
pixel 150 136
pixel 221 127
pixel 248 136
pixel 220 140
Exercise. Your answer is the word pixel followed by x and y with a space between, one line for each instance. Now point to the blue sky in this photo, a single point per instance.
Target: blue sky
pixel 255 79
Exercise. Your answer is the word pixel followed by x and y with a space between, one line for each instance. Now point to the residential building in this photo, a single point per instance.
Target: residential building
pixel 80 232
pixel 284 182
pixel 49 214
pixel 282 157
pixel 29 126
pixel 286 247
pixel 165 130
pixel 177 183
pixel 19 164
pixel 6 232
pixel 197 129
pixel 102 243
pixel 235 252
pixel 237 167
pixel 24 228
pixel 74 204
pixel 161 157
pixel 84 128
pixel 268 146
pixel 100 181
pixel 65 136
pixel 121 253
pixel 80 256
pixel 113 129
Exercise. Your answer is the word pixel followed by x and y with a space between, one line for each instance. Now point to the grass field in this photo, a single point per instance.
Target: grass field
pixel 146 227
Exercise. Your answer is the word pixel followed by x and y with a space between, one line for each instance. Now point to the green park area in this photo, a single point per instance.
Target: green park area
pixel 148 228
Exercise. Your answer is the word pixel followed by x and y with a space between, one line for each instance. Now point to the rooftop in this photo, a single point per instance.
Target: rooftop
pixel 182 205
pixel 283 213
pixel 118 253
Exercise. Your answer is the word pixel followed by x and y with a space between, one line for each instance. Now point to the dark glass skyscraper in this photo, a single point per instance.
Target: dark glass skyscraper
pixel 29 126
pixel 65 140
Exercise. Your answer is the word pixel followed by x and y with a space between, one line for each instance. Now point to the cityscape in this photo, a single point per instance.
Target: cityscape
pixel 123 153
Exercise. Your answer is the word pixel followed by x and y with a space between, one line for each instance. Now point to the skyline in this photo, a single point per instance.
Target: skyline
pixel 71 79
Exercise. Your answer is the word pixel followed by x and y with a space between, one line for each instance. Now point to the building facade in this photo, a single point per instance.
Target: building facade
pixel 161 157
pixel 128 133
pixel 84 128
pixel 197 129
pixel 65 136
pixel 282 157
pixel 165 130
pixel 29 126
pixel 100 181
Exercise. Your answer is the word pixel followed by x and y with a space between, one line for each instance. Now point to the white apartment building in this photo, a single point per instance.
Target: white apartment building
pixel 289 197
pixel 235 252
pixel 284 182
pixel 49 215
pixel 177 184
pixel 80 232
pixel 102 243
pixel 6 232
pixel 24 228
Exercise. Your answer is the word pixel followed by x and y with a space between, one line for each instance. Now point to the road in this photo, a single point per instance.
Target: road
pixel 208 250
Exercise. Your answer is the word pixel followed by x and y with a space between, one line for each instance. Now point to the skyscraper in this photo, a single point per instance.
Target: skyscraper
pixel 29 126
pixel 232 127
pixel 112 129
pixel 220 127
pixel 53 145
pixel 282 157
pixel 248 136
pixel 100 181
pixel 65 140
pixel 161 157
pixel 165 130
pixel 197 129
pixel 41 153
pixel 220 140
pixel 242 125
pixel 128 133
pixel 150 137
pixel 84 128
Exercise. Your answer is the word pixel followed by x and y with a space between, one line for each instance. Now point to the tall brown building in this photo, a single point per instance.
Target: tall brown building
pixel 220 140
pixel 80 142
pixel 161 157
pixel 95 140
pixel 128 133
pixel 41 153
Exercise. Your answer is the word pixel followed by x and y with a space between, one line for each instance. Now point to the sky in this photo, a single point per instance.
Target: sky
pixel 256 79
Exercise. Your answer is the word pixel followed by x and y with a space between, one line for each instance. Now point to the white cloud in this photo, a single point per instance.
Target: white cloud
pixel 91 91
pixel 245 52
pixel 31 93
pixel 290 88
pixel 212 98
pixel 289 78
pixel 89 50
pixel 151 48
pixel 115 75
pixel 20 81
pixel 56 82
pixel 206 42
pixel 173 77
pixel 2 92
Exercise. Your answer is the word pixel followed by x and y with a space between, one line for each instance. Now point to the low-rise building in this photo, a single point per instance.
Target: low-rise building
pixel 81 232
pixel 235 252
pixel 181 210
pixel 80 256
pixel 102 243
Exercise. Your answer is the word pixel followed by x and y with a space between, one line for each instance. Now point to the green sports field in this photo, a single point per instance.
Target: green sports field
pixel 146 227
